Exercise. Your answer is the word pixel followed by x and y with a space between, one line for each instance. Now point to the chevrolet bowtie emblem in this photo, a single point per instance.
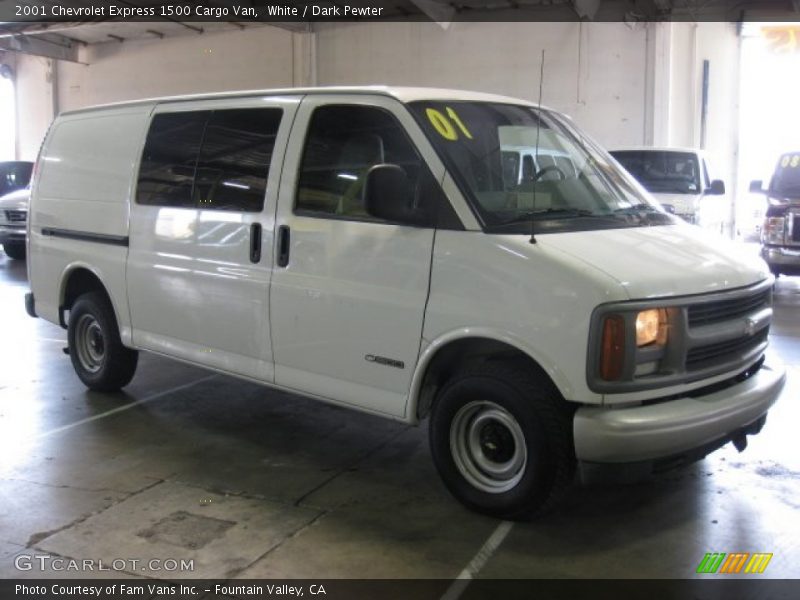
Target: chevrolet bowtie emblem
pixel 749 326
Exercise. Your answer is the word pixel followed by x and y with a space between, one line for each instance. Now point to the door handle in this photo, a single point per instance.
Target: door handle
pixel 283 245
pixel 255 242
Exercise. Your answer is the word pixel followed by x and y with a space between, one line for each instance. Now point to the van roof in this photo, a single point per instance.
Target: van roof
pixel 403 94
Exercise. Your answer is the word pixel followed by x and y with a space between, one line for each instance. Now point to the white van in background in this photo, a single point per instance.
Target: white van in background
pixel 679 178
pixel 362 246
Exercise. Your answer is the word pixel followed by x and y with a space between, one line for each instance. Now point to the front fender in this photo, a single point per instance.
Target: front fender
pixel 432 348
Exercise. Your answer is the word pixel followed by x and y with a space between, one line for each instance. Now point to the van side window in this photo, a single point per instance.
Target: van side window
pixel 342 143
pixel 215 160
pixel 166 174
pixel 235 157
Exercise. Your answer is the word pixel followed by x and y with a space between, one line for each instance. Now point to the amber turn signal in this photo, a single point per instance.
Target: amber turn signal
pixel 612 356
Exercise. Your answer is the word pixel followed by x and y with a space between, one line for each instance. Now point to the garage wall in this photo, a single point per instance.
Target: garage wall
pixel 603 91
pixel 720 44
pixel 259 57
pixel 690 45
pixel 232 60
pixel 8 149
pixel 34 103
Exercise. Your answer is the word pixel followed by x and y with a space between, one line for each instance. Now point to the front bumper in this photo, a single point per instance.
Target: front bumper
pixel 778 255
pixel 12 233
pixel 674 427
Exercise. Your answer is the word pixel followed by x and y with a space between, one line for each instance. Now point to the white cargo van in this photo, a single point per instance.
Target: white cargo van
pixel 680 179
pixel 360 246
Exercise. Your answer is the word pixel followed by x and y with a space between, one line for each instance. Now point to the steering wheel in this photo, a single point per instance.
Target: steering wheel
pixel 550 169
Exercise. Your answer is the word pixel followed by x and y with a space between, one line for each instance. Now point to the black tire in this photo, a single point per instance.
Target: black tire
pixel 101 361
pixel 479 400
pixel 15 250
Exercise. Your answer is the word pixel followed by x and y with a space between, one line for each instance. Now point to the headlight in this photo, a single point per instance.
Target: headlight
pixel 645 332
pixel 651 327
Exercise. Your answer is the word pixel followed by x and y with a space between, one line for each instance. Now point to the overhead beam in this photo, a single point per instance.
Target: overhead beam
pixel 436 11
pixel 50 45
pixel 294 27
pixel 586 9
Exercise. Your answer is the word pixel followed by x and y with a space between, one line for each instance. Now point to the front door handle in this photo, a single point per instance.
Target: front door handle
pixel 255 242
pixel 283 245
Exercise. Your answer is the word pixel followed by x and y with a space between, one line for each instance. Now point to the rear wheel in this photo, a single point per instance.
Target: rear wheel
pixel 501 438
pixel 98 356
pixel 15 250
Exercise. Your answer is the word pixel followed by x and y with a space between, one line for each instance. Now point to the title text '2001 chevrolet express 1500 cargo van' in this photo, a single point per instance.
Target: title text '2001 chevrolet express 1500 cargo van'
pixel 362 246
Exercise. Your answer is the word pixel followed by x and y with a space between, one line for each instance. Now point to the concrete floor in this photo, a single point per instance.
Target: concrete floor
pixel 252 483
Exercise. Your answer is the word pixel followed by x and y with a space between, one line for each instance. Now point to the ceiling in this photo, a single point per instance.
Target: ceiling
pixel 61 38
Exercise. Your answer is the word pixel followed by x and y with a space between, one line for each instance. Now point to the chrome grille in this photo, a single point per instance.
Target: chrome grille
pixel 718 311
pixel 16 216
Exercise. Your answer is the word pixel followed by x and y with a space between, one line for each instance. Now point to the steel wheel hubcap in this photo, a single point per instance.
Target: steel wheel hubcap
pixel 90 343
pixel 488 446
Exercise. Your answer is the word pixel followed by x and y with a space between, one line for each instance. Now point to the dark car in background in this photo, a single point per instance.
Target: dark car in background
pixel 14 175
pixel 780 234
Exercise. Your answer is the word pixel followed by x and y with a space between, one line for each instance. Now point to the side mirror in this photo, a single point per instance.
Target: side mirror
pixel 717 188
pixel 388 195
pixel 757 186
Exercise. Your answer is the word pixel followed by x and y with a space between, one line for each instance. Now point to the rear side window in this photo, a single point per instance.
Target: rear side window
pixel 343 142
pixel 166 174
pixel 215 160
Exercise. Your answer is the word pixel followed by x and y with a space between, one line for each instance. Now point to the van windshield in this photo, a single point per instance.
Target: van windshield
pixel 528 170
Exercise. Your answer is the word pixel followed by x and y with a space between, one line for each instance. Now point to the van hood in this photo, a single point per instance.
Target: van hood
pixel 651 262
pixel 17 200
pixel 684 204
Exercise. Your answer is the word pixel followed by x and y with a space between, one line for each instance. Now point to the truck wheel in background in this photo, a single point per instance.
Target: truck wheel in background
pixel 15 250
pixel 101 361
pixel 501 438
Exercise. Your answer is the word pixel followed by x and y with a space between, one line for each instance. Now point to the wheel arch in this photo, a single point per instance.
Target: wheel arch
pixel 445 354
pixel 79 279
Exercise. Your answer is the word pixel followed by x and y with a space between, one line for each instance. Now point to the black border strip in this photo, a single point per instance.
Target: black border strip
pixel 707 587
pixel 85 236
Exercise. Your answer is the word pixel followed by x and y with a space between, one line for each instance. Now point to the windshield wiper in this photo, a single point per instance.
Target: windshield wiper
pixel 551 213
pixel 636 208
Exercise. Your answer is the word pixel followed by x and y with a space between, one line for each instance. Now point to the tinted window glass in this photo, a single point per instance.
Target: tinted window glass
pixel 234 161
pixel 343 142
pixel 169 160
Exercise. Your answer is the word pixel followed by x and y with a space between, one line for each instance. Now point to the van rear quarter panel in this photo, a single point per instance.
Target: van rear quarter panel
pixel 85 179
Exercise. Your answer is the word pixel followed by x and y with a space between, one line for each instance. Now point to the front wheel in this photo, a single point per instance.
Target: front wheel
pixel 101 361
pixel 501 439
pixel 15 250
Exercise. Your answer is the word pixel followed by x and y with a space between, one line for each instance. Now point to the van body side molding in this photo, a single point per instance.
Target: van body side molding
pixel 86 236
